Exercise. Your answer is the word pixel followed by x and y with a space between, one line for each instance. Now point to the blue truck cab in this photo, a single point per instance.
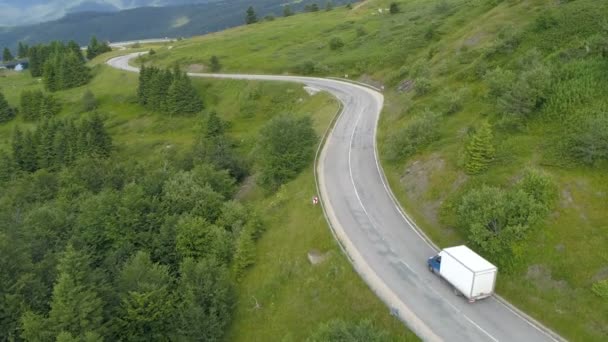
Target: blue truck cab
pixel 434 263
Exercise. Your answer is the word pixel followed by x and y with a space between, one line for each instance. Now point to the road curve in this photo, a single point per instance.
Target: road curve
pixel 384 246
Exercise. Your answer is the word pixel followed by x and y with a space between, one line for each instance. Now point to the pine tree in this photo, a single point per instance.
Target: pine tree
pixel 17 147
pixel 8 169
pixel 7 113
pixel 148 307
pixel 214 64
pixel 37 60
pixel 22 51
pixel 287 12
pixel 394 8
pixel 92 48
pixel 7 55
pixel 206 300
pixel 144 85
pixel 480 150
pixel 89 102
pixel 30 104
pixel 51 76
pixel 245 253
pixel 251 17
pixel 60 146
pixel 49 107
pixel 159 83
pixel 74 72
pixel 75 49
pixel 100 142
pixel 29 155
pixel 182 97
pixel 76 307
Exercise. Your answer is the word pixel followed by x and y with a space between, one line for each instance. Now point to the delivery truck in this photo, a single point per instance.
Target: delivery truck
pixel 469 274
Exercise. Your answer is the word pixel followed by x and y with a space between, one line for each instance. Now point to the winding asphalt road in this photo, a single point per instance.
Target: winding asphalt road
pixel 385 247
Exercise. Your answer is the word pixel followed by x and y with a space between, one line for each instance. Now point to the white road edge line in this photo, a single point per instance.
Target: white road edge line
pixel 416 230
pixel 458 311
pixel 352 179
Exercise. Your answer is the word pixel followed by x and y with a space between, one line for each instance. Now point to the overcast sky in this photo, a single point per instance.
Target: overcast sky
pixel 23 12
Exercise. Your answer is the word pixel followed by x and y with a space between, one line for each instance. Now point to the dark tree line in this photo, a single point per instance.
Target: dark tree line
pixel 36 105
pixel 62 66
pixel 168 91
pixel 106 249
pixel 23 50
pixel 7 56
pixel 55 144
pixel 96 48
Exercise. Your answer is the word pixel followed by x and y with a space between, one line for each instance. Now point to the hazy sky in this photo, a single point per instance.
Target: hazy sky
pixel 22 12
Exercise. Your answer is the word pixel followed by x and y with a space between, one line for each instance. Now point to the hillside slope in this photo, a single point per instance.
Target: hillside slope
pixel 533 73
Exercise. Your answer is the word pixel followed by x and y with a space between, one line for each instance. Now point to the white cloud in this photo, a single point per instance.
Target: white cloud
pixel 23 13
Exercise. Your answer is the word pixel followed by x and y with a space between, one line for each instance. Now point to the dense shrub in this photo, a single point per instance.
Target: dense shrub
pixel 588 141
pixel 286 145
pixel 519 94
pixel 497 221
pixel 89 102
pixel 600 288
pixel 394 8
pixel 410 139
pixel 336 43
pixel 453 101
pixel 422 86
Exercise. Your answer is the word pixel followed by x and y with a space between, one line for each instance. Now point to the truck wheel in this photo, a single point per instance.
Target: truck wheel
pixel 431 269
pixel 456 292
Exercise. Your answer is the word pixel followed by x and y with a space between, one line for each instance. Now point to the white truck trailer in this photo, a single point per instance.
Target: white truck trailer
pixel 469 274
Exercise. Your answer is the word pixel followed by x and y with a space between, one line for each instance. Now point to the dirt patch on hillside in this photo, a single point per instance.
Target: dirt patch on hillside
pixel 406 86
pixel 196 68
pixel 602 274
pixel 246 188
pixel 369 80
pixel 416 180
pixel 541 276
pixel 567 200
pixel 315 257
pixel 474 40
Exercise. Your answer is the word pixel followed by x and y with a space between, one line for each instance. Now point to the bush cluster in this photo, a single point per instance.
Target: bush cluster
pixel 285 146
pixel 408 140
pixel 497 221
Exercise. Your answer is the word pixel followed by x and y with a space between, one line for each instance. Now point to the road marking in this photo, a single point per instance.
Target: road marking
pixel 526 320
pixel 352 179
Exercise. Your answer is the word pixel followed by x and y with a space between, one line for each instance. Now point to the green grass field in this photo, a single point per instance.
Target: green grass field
pixel 451 43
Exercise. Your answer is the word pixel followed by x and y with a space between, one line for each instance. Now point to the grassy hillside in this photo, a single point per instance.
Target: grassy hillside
pixel 535 71
pixel 294 296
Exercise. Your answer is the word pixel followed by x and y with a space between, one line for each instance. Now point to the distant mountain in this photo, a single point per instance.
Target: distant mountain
pixel 27 12
pixel 93 6
pixel 144 22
